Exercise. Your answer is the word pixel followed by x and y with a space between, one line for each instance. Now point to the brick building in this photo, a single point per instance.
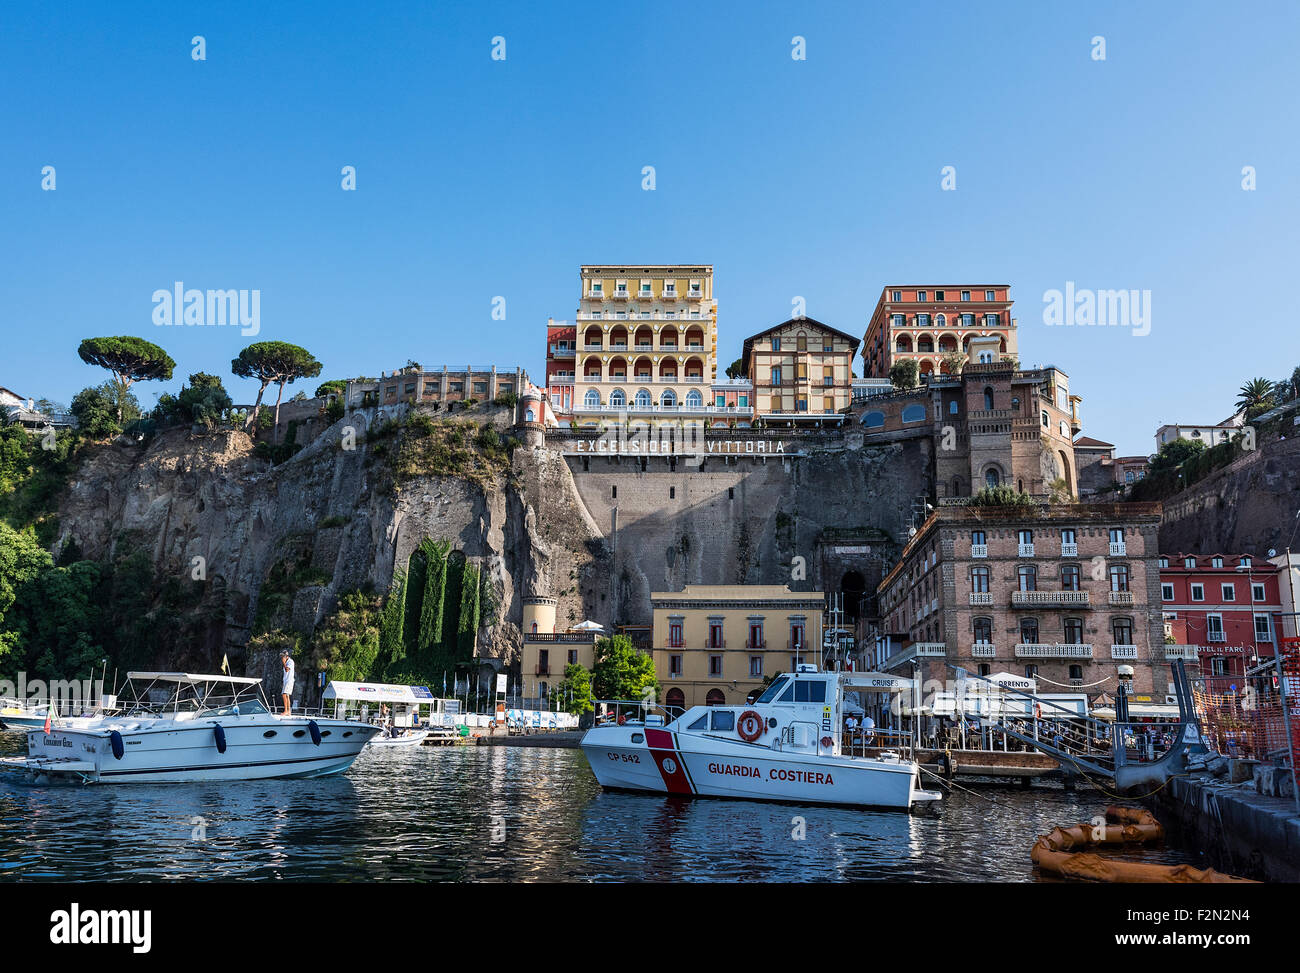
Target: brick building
pixel 561 364
pixel 1062 593
pixel 1224 607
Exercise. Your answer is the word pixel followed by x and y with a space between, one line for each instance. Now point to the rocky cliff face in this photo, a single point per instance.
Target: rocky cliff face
pixel 204 506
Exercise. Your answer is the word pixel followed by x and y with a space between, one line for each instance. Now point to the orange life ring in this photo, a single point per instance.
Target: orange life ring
pixel 1038 711
pixel 750 726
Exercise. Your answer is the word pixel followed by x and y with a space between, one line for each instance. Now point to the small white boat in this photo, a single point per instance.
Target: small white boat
pixel 177 728
pixel 783 747
pixel 17 715
pixel 402 738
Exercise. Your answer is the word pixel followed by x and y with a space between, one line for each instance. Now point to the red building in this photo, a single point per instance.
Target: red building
pixel 927 323
pixel 1225 605
pixel 561 358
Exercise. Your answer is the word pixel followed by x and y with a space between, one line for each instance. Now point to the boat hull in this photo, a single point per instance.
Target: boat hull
pixel 256 748
pixel 675 763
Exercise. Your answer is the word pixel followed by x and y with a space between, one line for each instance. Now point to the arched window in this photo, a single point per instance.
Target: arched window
pixel 592 399
pixel 534 628
pixel 983 630
pixel 528 416
pixel 694 399
pixel 914 413
pixel 715 698
pixel 617 399
pixel 952 407
pixel 643 399
pixel 991 479
pixel 874 420
pixel 988 400
pixel 668 399
pixel 940 321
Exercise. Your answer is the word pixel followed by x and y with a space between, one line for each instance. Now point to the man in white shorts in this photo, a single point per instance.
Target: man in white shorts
pixel 286 688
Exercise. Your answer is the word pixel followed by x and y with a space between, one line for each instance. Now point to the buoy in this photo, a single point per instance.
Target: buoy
pixel 315 732
pixel 115 740
pixel 219 732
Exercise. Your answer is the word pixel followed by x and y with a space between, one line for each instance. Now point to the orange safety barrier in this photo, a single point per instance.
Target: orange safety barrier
pixel 1055 852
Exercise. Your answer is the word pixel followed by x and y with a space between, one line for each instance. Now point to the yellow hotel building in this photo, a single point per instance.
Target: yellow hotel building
pixel 647 344
pixel 713 644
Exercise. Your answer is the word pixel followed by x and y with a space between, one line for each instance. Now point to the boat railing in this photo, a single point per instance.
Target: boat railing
pixel 623 711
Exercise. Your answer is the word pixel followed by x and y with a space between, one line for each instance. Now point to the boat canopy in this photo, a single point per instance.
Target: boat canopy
pixel 878 682
pixel 1160 711
pixel 190 678
pixel 378 691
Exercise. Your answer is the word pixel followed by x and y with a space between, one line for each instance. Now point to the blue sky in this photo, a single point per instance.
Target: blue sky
pixel 819 178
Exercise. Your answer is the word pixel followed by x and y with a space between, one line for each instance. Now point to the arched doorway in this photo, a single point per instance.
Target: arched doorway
pixel 715 698
pixel 853 586
pixel 675 700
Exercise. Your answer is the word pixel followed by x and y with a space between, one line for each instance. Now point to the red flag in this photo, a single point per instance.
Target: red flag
pixel 47 719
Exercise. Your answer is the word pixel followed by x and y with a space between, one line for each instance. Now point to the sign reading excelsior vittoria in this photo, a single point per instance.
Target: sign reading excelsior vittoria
pixel 687 446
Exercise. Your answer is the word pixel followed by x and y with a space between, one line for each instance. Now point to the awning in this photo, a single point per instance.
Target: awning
pixel 190 678
pixel 378 692
pixel 1159 711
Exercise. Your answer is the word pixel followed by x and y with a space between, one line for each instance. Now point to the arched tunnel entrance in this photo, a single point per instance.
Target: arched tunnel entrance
pixel 853 586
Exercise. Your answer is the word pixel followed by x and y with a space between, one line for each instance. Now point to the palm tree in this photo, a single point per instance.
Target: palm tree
pixel 1255 396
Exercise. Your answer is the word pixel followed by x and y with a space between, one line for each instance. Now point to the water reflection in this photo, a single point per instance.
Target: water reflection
pixel 504 814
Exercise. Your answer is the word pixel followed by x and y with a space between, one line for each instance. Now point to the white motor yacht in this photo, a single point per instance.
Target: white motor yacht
pixel 785 746
pixel 184 727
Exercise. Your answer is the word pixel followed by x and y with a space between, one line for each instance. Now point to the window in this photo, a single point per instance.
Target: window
pixel 1216 562
pixel 1122 628
pixel 715 635
pixel 896 320
pixel 1046 421
pixel 591 399
pixel 756 636
pixel 617 398
pixel 1166 592
pixel 895 295
pixel 1198 592
pixel 923 320
pixel 874 420
pixel 983 630
pixel 796 635
pixel 965 295
pixel 809 691
pixel 988 399
pixel 1069 577
pixel 715 665
pixel 776 344
pixel 920 296
pixel 1076 672
pixel 1189 562
pixel 675 635
pixel 755 667
pixel 988 296
pixel 978 538
pixel 1164 562
pixel 674 665
pixel 1119 577
pixel 1214 628
pixel 1069 537
pixel 573 657
pixel 991 479
pixel 938 295
pixel 724 720
pixel 776 375
pixel 979 579
pixel 952 407
pixel 1029 631
pixel 1074 631
pixel 1027 577
pixel 642 399
pixel 914 413
pixel 1257 592
pixel 1263 629
pixel 1228 592
pixel 1243 562
pixel 1031 672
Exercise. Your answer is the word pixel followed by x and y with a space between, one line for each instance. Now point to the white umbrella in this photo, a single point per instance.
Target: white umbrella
pixel 588 626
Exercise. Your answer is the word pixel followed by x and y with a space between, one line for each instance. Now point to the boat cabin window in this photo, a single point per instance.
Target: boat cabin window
pixel 723 720
pixel 809 691
pixel 700 724
pixel 245 707
pixel 638 738
pixel 769 694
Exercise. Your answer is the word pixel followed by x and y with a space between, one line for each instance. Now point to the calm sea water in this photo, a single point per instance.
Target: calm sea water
pixel 506 814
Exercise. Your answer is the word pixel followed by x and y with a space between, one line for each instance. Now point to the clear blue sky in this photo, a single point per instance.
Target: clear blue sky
pixel 821 178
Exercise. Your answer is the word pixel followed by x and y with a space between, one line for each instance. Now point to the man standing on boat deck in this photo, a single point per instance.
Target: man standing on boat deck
pixel 286 688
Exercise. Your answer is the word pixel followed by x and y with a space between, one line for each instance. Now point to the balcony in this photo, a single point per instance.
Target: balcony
pixel 668 295
pixel 1053 650
pixel 595 295
pixel 979 550
pixel 593 346
pixel 1069 550
pixel 760 644
pixel 983 650
pixel 1188 653
pixel 565 352
pixel 622 295
pixel 931 650
pixel 715 643
pixel 1063 599
pixel 1118 548
pixel 1216 637
pixel 645 295
pixel 1120 597
pixel 1127 653
pixel 981 597
pixel 695 294
pixel 1025 550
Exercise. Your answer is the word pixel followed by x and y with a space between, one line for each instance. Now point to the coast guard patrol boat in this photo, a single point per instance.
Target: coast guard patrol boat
pixel 786 746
